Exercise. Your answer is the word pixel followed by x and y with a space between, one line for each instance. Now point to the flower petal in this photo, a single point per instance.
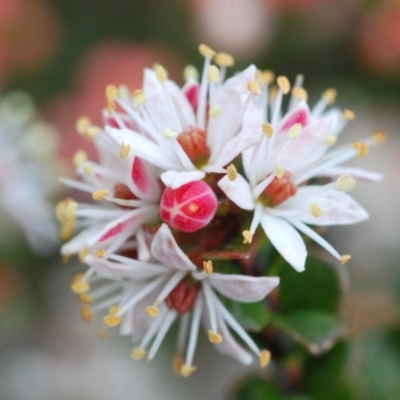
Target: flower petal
pixel 165 249
pixel 246 289
pixel 356 173
pixel 238 191
pixel 286 240
pixel 299 115
pixel 181 102
pixel 175 179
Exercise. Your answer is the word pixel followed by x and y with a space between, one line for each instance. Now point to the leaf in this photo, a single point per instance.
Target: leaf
pixel 258 389
pixel 314 329
pixel 252 316
pixel 316 288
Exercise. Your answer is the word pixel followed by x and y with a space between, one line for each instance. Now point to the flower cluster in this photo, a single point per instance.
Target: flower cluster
pixel 170 203
pixel 28 171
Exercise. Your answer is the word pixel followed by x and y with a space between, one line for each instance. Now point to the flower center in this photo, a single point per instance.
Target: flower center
pixel 278 191
pixel 194 144
pixel 183 297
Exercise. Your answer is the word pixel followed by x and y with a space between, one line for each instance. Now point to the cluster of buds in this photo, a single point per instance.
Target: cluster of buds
pixel 169 202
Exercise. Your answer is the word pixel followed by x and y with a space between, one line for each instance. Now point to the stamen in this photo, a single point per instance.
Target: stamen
pixel 345 258
pixel 361 148
pixel 138 353
pixel 80 157
pixel 247 237
pixel 83 252
pixel 265 77
pixel 329 95
pixel 254 87
pixel 111 92
pixel 187 370
pixel 294 131
pixel 214 337
pixel 330 140
pixel 125 150
pixel 88 169
pixel 268 130
pixel 379 137
pixel 348 114
pixel 113 310
pixel 279 171
pixel 208 267
pixel 232 172
pixel 139 98
pixel 153 311
pixel 86 314
pixel 100 194
pixel 82 123
pixel 123 92
pixel 86 299
pixel 161 73
pixel 169 134
pixel 315 210
pixel 80 287
pixel 215 112
pixel 213 74
pixel 283 84
pixel 112 320
pixel 224 60
pixel 101 253
pixel 300 93
pixel 265 358
pixel 206 51
pixel 177 362
pixel 190 72
pixel 345 183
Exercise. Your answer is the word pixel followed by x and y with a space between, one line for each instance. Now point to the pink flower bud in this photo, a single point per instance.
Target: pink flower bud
pixel 188 208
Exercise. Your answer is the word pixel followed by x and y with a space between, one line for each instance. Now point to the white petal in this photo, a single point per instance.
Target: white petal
pixel 80 240
pixel 286 240
pixel 238 191
pixel 166 250
pixel 181 102
pixel 338 208
pixel 246 289
pixel 356 173
pixel 175 179
pixel 299 115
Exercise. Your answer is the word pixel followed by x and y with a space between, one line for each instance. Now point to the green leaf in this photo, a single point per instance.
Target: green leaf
pixel 258 389
pixel 316 288
pixel 314 329
pixel 252 316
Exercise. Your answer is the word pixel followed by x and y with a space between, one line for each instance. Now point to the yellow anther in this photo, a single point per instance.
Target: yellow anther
pixel 101 253
pixel 169 134
pixel 80 287
pixel 232 172
pixel 315 210
pixel 100 194
pixel 190 72
pixel 86 314
pixel 361 148
pixel 65 233
pixel 86 299
pixel 88 169
pixel 265 358
pixel 215 112
pixel 77 276
pixel 91 132
pixel 177 363
pixel 82 123
pixel 273 93
pixel 138 353
pixel 329 95
pixel 247 237
pixel 63 209
pixel 112 320
pixel 265 77
pixel 111 92
pixel 206 51
pixel 283 84
pixel 139 98
pixel 345 258
pixel 268 130
pixel 161 72
pixel 294 131
pixel 300 93
pixel 213 74
pixel 152 311
pixel 330 140
pixel 224 60
pixel 279 171
pixel 123 92
pixel 254 87
pixel 187 370
pixel 80 157
pixel 114 310
pixel 345 183
pixel 348 114
pixel 83 253
pixel 101 334
pixel 124 151
pixel 379 137
pixel 214 337
pixel 208 267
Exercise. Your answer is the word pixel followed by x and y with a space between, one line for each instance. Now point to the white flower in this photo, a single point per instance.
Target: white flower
pixel 293 151
pixel 172 287
pixel 191 131
pixel 27 171
pixel 126 189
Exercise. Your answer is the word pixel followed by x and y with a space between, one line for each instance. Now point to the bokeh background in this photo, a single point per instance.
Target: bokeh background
pixel 65 52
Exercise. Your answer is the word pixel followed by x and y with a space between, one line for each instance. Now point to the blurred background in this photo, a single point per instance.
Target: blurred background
pixel 64 53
